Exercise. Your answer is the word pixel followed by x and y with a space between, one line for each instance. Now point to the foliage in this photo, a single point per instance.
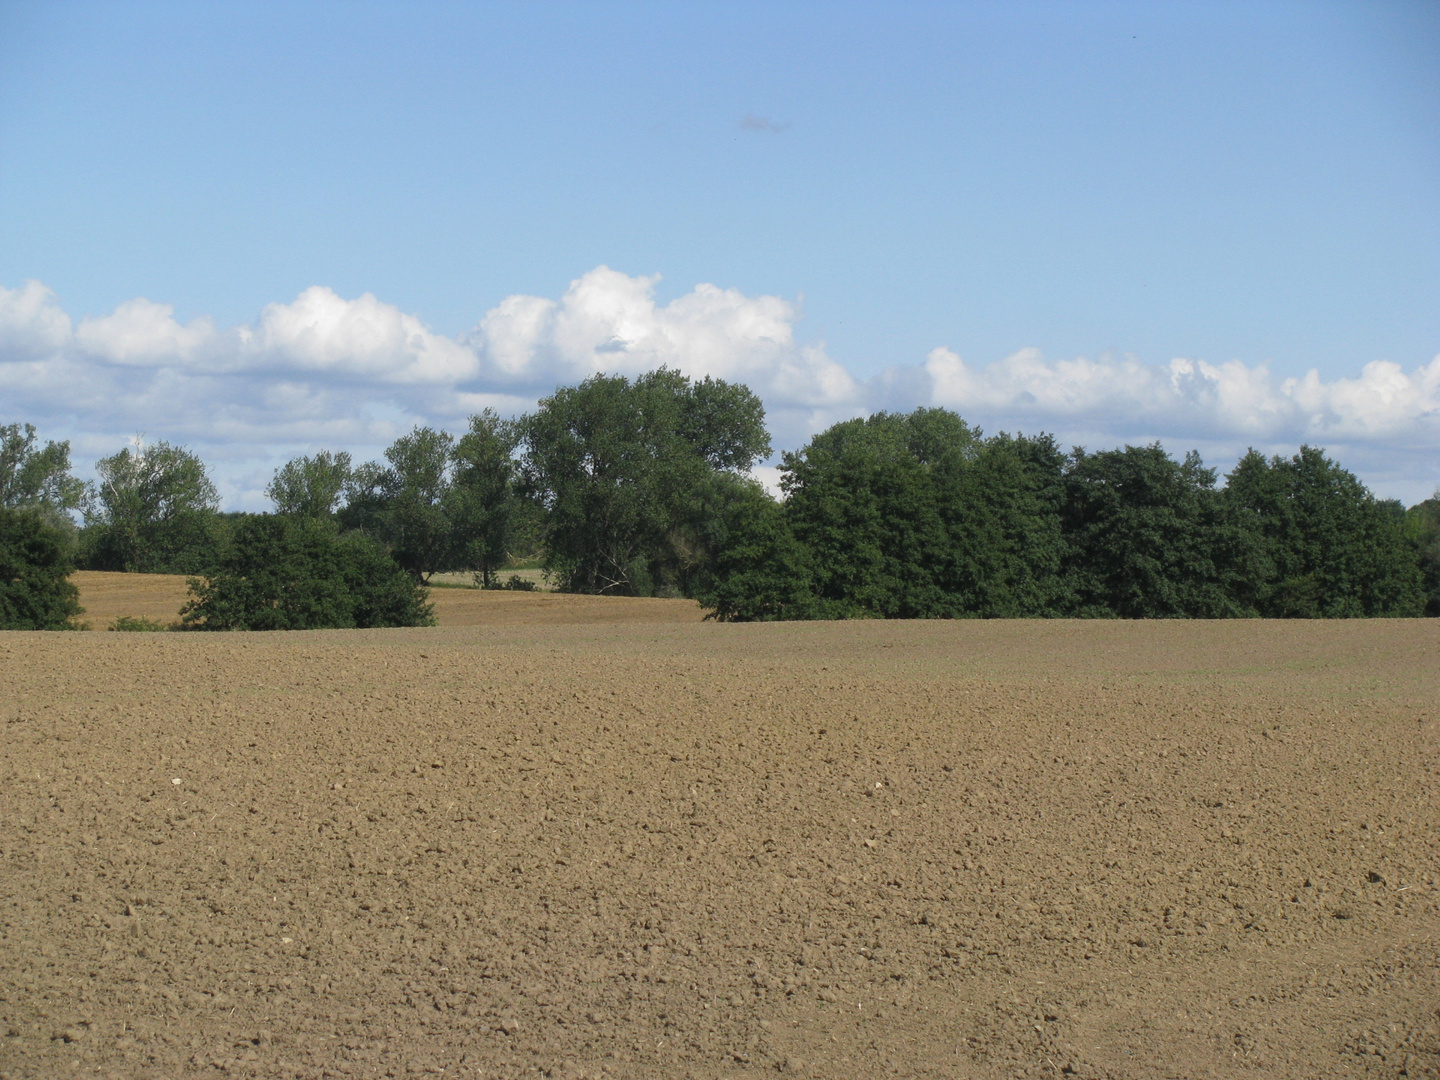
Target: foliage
pixel 36 476
pixel 287 572
pixel 1332 549
pixel 442 504
pixel 863 502
pixel 1148 537
pixel 1000 502
pixel 762 572
pixel 919 516
pixel 639 488
pixel 310 486
pixel 483 504
pixel 138 624
pixel 625 470
pixel 416 522
pixel 1422 530
pixel 902 516
pixel 35 566
pixel 153 511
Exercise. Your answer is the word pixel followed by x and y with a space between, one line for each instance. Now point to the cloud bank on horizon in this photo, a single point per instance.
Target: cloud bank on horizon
pixel 326 372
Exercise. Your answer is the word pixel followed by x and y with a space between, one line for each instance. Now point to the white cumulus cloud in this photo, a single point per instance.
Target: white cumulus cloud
pixel 364 339
pixel 323 371
pixel 144 334
pixel 609 321
pixel 32 323
pixel 1195 397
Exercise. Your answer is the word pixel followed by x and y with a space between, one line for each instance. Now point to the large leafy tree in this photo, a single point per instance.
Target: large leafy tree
pixel 417 519
pixel 620 468
pixel 153 509
pixel 861 498
pixel 1001 505
pixel 482 502
pixel 904 515
pixel 1422 529
pixel 1333 550
pixel 759 571
pixel 440 503
pixel 35 566
pixel 919 516
pixel 310 486
pixel 1148 537
pixel 290 572
pixel 403 504
pixel 37 476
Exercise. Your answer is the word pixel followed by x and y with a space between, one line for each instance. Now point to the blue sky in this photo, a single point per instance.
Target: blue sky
pixel 1031 213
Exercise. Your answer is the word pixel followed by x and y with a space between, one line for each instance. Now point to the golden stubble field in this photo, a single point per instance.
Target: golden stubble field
pixel 627 847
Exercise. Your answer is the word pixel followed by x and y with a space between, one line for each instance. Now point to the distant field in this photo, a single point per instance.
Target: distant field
pixel 467 579
pixel 106 597
pixel 574 846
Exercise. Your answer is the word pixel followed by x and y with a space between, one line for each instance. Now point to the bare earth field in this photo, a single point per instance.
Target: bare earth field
pixel 107 596
pixel 679 849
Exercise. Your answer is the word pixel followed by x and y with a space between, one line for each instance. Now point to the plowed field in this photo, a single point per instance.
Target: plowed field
pixel 660 849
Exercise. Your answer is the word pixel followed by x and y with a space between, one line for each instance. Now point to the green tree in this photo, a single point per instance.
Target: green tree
pixel 153 510
pixel 417 519
pixel 1422 529
pixel 35 567
pixel 618 465
pixel 404 504
pixel 1332 549
pixel 440 503
pixel 863 502
pixel 759 572
pixel 37 476
pixel 702 529
pixel 1145 537
pixel 289 572
pixel 1001 507
pixel 310 486
pixel 482 503
pixel 919 516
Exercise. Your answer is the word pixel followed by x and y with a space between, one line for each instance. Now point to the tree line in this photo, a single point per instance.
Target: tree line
pixel 642 488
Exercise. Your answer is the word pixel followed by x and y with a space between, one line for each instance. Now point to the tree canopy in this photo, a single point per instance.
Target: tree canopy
pixel 152 510
pixel 920 516
pixel 442 503
pixel 37 476
pixel 310 486
pixel 485 508
pixel 1332 548
pixel 1148 537
pixel 623 469
pixel 1422 530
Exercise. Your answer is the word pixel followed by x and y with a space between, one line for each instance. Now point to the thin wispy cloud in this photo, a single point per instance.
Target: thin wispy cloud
pixel 326 371
pixel 751 122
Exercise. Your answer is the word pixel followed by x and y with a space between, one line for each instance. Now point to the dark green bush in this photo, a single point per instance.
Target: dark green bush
pixel 35 566
pixel 291 573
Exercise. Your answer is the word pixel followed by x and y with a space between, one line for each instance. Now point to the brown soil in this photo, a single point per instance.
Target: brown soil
pixel 106 597
pixel 1006 849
